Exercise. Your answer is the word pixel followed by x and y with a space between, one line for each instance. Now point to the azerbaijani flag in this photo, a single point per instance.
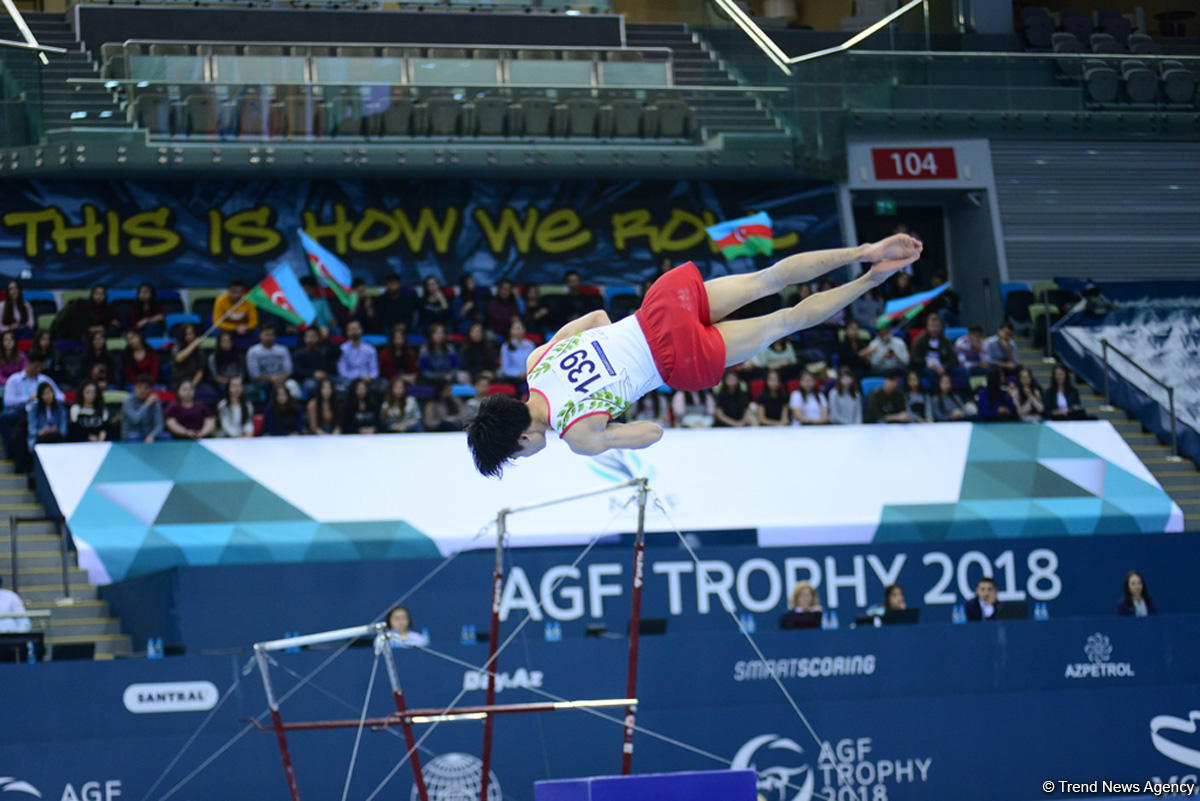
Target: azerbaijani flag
pixel 745 236
pixel 281 294
pixel 901 310
pixel 330 271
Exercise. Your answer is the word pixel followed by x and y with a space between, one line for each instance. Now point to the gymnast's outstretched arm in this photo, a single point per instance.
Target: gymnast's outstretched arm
pixel 593 435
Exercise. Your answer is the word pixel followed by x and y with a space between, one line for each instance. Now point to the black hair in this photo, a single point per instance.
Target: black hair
pixel 1128 596
pixel 987 579
pixel 887 594
pixel 494 433
pixel 387 619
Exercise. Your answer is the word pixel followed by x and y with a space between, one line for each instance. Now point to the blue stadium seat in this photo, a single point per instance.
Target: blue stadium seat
pixel 122 294
pixel 953 334
pixel 870 383
pixel 378 340
pixel 159 343
pixel 1009 286
pixel 462 391
pixel 183 318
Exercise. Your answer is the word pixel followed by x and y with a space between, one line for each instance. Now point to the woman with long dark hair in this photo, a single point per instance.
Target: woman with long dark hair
pixel 733 403
pixel 1135 598
pixel 282 417
pixel 945 405
pixel 146 316
pixel 917 399
pixel 98 363
pixel 324 412
pixel 15 313
pixel 89 415
pixel 773 402
pixel 434 307
pixel 443 412
pixel 235 414
pixel 12 360
pixel 1062 398
pixel 399 413
pixel 47 418
pixel 845 399
pixel 437 359
pixel 226 361
pixel 808 403
pixel 995 399
pixel 478 355
pixel 1030 406
pixel 140 358
pixel 192 367
pixel 398 358
pixel 360 415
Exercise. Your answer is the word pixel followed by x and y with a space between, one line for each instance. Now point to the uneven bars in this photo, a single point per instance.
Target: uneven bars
pixel 461 713
pixel 633 482
pixel 313 639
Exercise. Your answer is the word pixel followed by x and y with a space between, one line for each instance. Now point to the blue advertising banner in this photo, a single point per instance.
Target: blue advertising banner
pixel 183 234
pixel 1008 711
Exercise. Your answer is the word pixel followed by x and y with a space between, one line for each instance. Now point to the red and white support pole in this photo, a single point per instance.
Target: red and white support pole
pixel 289 771
pixel 384 644
pixel 635 620
pixel 493 644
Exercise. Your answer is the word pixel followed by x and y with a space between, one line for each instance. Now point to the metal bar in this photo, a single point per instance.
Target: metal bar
pixel 410 742
pixel 633 482
pixel 673 89
pixel 459 713
pixel 1129 359
pixel 27 46
pixel 62 541
pixel 858 37
pixel 1107 407
pixel 313 639
pixel 1174 432
pixel 289 770
pixel 12 536
pixel 635 621
pixel 19 21
pixel 493 643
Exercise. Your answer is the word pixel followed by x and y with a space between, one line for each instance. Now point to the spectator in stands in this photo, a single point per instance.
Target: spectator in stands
pixel 226 361
pixel 780 357
pixel 443 412
pixel 970 350
pixel 514 353
pixel 664 266
pixel 468 305
pixel 1135 598
pixel 984 605
pixel 282 417
pixel 808 404
pixel 916 398
pixel 395 305
pixel 398 358
pixel 99 315
pixel 694 409
pixel 772 402
pixel 435 306
pixel 652 406
pixel 502 308
pixel 98 364
pixel 733 406
pixel 893 601
pixel 312 362
pixel 141 413
pixel 324 321
pixel 886 352
pixel 944 405
pixel 933 353
pixel 235 415
pixel 399 413
pixel 845 399
pixel 16 314
pixel 359 359
pixel 43 346
pixel 850 349
pixel 365 311
pixel 868 308
pixel 1062 398
pixel 324 413
pixel 537 313
pixel 996 399
pixel 359 415
pixel 139 358
pixel 11 604
pixel 579 300
pixel 192 367
pixel 804 598
pixel 269 364
pixel 187 419
pixel 399 622
pixel 437 359
pixel 887 404
pixel 12 360
pixel 19 390
pixel 242 314
pixel 1001 350
pixel 147 316
pixel 46 417
pixel 88 419
pixel 478 355
pixel 1030 405
pixel 901 286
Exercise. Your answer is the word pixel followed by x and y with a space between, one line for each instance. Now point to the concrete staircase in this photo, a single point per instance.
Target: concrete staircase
pixel 65 105
pixel 716 112
pixel 81 619
pixel 1181 480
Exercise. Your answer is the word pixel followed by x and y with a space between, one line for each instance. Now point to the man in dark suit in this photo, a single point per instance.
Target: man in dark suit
pixel 984 605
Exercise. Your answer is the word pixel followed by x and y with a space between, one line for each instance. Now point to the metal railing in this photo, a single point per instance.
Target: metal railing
pixel 1105 347
pixel 59 522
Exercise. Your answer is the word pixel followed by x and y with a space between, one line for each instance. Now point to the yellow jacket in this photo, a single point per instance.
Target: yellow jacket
pixel 247 313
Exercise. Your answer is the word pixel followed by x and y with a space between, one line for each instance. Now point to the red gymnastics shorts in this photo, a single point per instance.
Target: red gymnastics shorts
pixel 688 350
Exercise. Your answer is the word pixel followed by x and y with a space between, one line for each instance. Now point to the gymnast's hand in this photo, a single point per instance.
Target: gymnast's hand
pixel 897 247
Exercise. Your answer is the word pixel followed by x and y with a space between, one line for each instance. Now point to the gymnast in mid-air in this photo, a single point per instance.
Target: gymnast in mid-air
pixel 593 369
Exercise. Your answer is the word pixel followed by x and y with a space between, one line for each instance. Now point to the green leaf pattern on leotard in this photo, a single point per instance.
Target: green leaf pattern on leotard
pixel 602 401
pixel 556 350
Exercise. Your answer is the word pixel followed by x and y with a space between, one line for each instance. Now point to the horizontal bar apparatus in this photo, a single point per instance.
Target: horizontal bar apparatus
pixel 351 633
pixel 460 713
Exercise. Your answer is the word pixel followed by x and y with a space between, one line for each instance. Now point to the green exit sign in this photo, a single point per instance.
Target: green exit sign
pixel 885 208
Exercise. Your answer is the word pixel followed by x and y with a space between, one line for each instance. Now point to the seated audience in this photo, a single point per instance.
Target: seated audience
pixel 1135 598
pixel 850 349
pixel 89 415
pixel 995 399
pixel 282 417
pixel 808 403
pixel 970 351
pixel 43 347
pixel 312 361
pixel 192 366
pixel 269 364
pixel 396 305
pixel 359 412
pixel 242 314
pixel 19 390
pixel 478 355
pixel 1000 350
pixel 399 623
pixel 732 403
pixel 469 304
pixel 98 364
pixel 98 315
pixel 984 605
pixel 652 406
pixel 364 311
pixel 537 313
pixel 235 415
pixel 945 405
pixel 141 413
pixel 868 308
pixel 12 360
pixel 502 308
pixel 887 404
pixel 443 412
pixel 886 352
pixel 434 307
pixel 399 413
pixel 893 601
pixel 916 398
pixel 804 598
pixel 694 409
pixel 577 302
pixel 324 413
pixel 47 419
pixel 845 399
pixel 146 316
pixel 16 314
pixel 772 401
pixel 187 419
pixel 514 353
pixel 225 361
pixel 933 353
pixel 901 286
pixel 398 358
pixel 325 319
pixel 359 359
pixel 1030 406
pixel 139 359
pixel 1062 398
pixel 437 360
pixel 781 357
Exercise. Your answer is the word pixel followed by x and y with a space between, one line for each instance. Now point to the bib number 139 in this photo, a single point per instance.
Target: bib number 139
pixel 580 371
